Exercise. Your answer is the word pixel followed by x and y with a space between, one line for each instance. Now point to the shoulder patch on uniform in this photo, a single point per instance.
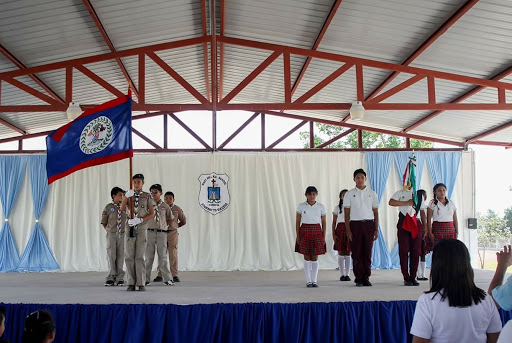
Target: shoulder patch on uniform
pixel 112 209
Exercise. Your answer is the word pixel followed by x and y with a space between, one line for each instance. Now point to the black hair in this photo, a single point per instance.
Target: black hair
pixel 2 313
pixel 169 193
pixel 38 325
pixel 114 191
pixel 156 186
pixel 452 276
pixel 359 171
pixel 420 194
pixel 311 189
pixel 340 204
pixel 435 189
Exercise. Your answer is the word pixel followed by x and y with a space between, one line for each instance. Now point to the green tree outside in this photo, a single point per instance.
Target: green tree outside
pixel 493 232
pixel 371 140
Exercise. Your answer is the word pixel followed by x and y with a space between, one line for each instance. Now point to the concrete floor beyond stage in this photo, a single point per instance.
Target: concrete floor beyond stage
pixel 211 287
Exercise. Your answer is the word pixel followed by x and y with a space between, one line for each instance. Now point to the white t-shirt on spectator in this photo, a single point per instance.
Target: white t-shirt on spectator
pixel 311 214
pixel 506 333
pixel 361 203
pixel 436 320
pixel 442 213
pixel 340 215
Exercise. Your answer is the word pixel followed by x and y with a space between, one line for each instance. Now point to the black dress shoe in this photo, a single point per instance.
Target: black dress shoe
pixel 175 279
pixel 407 283
pixel 367 283
pixel 309 285
pixel 142 288
pixel 158 279
pixel 315 285
pixel 414 282
pixel 347 278
pixel 359 284
pixel 342 278
pixel 131 288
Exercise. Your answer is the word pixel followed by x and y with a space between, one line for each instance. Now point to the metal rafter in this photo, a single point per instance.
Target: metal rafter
pixel 463 97
pixel 318 40
pixel 221 56
pixel 204 27
pixel 36 79
pixel 426 44
pixel 110 45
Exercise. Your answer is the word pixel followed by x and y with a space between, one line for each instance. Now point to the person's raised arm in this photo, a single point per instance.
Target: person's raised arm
pixel 504 258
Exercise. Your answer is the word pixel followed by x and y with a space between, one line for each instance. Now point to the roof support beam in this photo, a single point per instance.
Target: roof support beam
pixel 205 49
pixel 430 40
pixel 489 132
pixel 87 72
pixel 110 45
pixel 286 135
pixel 318 40
pixel 364 128
pixel 167 68
pixel 243 126
pixel 334 139
pixel 36 79
pixel 461 98
pixel 31 91
pixel 221 57
pixel 189 130
pixel 145 138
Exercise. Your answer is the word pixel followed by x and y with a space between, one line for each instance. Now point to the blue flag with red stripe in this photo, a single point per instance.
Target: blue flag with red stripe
pixel 102 134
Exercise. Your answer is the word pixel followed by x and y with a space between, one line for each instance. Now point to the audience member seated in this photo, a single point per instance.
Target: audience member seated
pixel 39 328
pixel 454 309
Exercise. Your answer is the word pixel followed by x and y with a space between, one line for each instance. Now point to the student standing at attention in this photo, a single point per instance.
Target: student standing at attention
pixel 362 223
pixel 339 235
pixel 158 227
pixel 310 225
pixel 136 240
pixel 409 237
pixel 114 222
pixel 421 217
pixel 441 218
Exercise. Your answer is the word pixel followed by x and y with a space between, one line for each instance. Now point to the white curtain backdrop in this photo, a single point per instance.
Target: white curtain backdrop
pixel 256 231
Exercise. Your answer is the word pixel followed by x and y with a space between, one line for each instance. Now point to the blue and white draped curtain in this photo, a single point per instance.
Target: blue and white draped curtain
pixel 379 164
pixel 12 171
pixel 38 256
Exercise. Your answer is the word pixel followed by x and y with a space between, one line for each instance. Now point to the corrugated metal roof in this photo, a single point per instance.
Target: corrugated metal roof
pixel 56 30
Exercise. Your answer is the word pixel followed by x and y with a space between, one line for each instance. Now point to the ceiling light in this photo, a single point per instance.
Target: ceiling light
pixel 357 111
pixel 73 111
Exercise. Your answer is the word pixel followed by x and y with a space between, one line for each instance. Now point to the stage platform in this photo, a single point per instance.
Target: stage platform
pixel 221 307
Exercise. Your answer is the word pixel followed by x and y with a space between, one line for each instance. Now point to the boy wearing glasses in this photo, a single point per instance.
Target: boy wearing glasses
pixel 157 236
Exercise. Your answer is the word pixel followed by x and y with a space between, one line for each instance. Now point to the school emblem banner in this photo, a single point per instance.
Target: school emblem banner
pixel 213 192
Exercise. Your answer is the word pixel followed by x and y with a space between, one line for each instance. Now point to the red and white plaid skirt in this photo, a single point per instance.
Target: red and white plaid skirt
pixel 441 230
pixel 341 234
pixel 311 240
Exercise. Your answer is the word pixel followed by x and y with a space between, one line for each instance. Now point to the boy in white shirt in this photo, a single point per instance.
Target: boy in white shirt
pixel 361 206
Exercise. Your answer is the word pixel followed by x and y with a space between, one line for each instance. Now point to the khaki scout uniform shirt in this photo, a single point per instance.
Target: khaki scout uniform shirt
pixel 145 202
pixel 178 216
pixel 163 211
pixel 109 218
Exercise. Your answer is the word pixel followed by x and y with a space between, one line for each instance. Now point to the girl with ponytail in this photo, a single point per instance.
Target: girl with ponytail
pixel 39 328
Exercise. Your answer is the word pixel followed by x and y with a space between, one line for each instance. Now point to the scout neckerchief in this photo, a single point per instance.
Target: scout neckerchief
pixel 157 216
pixel 118 219
pixel 136 196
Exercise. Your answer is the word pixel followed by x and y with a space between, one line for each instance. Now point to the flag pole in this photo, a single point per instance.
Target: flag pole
pixel 130 187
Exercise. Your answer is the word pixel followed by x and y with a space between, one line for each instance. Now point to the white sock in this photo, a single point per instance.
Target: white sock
pixel 423 267
pixel 307 271
pixel 347 265
pixel 341 264
pixel 314 270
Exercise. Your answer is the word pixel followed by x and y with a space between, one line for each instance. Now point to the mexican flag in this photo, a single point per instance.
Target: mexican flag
pixel 409 181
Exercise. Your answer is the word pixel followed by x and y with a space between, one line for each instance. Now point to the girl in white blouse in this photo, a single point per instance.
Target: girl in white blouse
pixel 441 218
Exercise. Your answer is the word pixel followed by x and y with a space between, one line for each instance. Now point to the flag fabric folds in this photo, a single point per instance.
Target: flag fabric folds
pixel 102 134
pixel 409 182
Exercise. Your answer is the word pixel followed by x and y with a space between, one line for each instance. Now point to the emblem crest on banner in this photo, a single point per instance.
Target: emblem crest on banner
pixel 96 135
pixel 213 192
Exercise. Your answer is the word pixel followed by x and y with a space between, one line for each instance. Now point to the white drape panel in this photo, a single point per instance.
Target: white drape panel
pixel 256 231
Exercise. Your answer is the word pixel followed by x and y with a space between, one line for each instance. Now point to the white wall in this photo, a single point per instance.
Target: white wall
pixel 256 232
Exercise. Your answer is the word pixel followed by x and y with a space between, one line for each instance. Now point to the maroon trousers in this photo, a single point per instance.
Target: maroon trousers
pixel 409 250
pixel 361 245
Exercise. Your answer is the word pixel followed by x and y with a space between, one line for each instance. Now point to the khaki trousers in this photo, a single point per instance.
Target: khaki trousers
pixel 115 256
pixel 172 247
pixel 157 240
pixel 134 251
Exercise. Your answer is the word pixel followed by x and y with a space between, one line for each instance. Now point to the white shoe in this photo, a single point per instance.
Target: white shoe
pixel 169 283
